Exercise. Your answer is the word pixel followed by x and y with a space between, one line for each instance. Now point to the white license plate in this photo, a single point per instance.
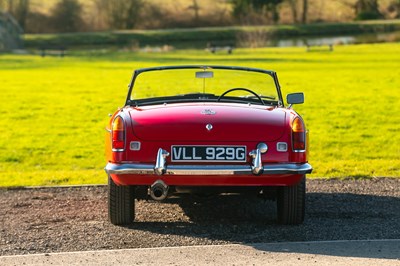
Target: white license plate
pixel 208 153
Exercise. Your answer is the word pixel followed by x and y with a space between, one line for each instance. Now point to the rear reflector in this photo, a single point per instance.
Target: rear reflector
pixel 135 146
pixel 281 146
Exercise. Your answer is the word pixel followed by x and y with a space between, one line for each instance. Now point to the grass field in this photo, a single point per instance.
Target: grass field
pixel 54 110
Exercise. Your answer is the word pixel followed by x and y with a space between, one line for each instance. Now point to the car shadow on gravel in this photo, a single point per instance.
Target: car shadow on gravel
pixel 375 249
pixel 249 220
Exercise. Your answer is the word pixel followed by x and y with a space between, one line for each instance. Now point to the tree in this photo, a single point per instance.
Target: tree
pixel 367 9
pixel 124 14
pixel 305 12
pixel 241 8
pixel 67 16
pixel 294 7
pixel 364 9
pixel 394 7
pixel 18 8
pixel 195 7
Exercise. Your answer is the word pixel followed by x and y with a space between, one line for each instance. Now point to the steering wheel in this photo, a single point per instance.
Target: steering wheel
pixel 240 89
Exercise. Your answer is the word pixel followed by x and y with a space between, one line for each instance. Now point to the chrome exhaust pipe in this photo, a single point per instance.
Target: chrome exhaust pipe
pixel 159 190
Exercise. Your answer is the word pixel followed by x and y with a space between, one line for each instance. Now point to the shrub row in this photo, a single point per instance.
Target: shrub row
pixel 201 36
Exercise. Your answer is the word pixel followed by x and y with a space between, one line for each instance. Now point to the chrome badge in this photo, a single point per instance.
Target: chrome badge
pixel 209 127
pixel 208 112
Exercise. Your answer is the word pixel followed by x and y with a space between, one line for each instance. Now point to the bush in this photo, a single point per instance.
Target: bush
pixel 368 15
pixel 67 16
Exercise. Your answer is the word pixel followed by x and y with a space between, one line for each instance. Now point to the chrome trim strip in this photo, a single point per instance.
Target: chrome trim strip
pixel 148 169
pixel 118 150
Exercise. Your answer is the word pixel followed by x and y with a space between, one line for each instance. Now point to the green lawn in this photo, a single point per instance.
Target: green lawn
pixel 54 110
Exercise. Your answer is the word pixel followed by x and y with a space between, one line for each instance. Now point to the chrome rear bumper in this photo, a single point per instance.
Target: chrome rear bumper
pixel 161 167
pixel 147 169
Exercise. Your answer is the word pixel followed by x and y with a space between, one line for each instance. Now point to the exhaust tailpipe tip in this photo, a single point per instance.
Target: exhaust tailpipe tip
pixel 159 190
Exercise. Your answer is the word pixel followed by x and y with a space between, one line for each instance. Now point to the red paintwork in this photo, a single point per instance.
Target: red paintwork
pixel 160 126
pixel 250 180
pixel 185 122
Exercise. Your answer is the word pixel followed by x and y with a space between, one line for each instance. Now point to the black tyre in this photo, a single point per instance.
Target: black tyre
pixel 291 203
pixel 121 203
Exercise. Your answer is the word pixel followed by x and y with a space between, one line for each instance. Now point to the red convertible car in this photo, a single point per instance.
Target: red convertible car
pixel 206 129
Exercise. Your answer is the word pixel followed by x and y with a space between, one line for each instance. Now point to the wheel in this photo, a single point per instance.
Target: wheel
pixel 240 89
pixel 121 203
pixel 291 203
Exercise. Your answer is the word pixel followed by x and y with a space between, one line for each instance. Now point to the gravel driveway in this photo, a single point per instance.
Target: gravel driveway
pixel 43 220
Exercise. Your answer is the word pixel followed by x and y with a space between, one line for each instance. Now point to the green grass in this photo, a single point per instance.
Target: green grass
pixel 54 110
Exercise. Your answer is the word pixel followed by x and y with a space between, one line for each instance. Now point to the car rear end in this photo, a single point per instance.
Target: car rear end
pixel 157 150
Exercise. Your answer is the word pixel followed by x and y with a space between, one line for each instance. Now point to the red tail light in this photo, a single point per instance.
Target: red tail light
pixel 298 135
pixel 118 134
